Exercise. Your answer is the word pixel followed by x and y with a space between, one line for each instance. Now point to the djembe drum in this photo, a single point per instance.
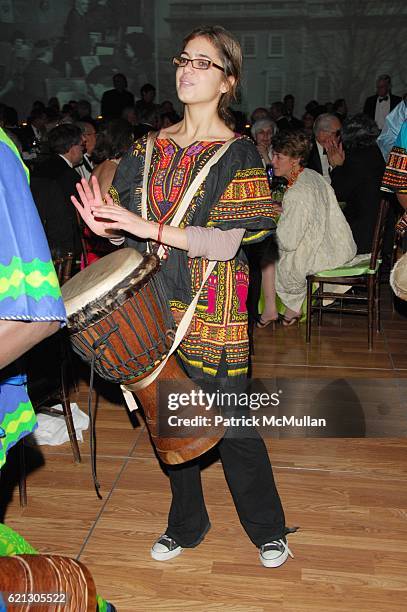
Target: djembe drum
pixel 120 324
pixel 47 583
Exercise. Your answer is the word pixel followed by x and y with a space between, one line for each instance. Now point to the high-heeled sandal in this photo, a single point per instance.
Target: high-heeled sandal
pixel 289 321
pixel 262 324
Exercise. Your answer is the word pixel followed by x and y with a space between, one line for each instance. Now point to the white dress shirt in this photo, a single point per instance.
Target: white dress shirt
pixel 382 110
pixel 85 168
pixel 324 163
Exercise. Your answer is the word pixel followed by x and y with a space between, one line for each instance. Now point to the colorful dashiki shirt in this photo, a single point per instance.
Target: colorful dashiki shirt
pixel 235 194
pixel 29 289
pixel 395 176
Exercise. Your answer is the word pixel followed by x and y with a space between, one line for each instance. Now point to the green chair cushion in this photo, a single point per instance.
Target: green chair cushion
pixel 360 268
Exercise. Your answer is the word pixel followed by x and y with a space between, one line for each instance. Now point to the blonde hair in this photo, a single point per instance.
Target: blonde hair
pixel 230 54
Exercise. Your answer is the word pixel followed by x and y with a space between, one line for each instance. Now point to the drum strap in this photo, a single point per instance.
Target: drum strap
pixel 189 313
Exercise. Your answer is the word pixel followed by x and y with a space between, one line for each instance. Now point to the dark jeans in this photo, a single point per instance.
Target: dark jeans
pixel 250 478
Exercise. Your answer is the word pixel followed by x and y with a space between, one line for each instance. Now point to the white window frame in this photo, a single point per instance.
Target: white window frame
pixel 269 75
pixel 270 38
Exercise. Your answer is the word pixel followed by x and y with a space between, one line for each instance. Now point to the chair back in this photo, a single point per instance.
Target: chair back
pixel 378 235
pixel 63 267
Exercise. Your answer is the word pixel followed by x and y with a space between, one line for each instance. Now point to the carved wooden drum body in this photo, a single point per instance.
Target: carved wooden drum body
pixel 120 324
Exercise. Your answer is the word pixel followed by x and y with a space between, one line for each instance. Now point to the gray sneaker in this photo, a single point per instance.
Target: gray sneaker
pixel 275 553
pixel 165 548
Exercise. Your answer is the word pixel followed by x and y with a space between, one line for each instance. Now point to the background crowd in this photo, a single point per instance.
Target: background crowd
pixel 349 153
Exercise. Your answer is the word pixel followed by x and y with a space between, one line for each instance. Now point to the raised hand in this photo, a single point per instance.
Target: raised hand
pixel 335 153
pixel 90 201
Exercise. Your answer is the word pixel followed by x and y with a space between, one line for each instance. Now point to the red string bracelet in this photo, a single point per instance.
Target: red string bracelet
pixel 160 232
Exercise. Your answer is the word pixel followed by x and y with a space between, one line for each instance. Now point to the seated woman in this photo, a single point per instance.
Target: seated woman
pixel 312 232
pixel 112 141
pixel 356 177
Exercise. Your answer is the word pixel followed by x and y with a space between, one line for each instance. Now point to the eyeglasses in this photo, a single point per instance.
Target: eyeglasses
pixel 198 63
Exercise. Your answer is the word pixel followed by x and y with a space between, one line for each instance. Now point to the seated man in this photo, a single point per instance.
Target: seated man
pixel 327 131
pixel 66 146
pixel 356 176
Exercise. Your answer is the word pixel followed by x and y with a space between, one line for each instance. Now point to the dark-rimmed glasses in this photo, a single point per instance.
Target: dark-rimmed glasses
pixel 198 63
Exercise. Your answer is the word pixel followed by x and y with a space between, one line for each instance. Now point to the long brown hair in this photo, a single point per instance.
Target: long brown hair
pixel 230 54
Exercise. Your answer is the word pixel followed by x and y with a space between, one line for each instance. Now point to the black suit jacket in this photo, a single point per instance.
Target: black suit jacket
pixel 52 209
pixel 55 169
pixel 370 104
pixel 27 137
pixel 358 184
pixel 314 160
pixel 294 123
pixel 282 123
pixel 114 102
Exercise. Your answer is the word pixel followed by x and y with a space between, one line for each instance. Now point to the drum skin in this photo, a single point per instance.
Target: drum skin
pixel 53 574
pixel 124 331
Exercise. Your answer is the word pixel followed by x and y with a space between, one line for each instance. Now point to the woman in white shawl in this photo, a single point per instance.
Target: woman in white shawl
pixel 312 232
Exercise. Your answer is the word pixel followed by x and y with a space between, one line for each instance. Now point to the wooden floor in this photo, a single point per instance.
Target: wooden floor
pixel 349 497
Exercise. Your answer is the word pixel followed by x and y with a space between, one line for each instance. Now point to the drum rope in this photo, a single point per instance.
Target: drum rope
pixel 93 429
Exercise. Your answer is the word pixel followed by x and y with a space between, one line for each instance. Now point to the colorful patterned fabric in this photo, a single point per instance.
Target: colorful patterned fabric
pixel 395 176
pixel 235 194
pixel 29 289
pixel 12 543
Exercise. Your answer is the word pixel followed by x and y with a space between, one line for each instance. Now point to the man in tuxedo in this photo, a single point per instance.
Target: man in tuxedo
pixel 34 134
pixel 66 146
pixel 327 130
pixel 88 129
pixel 377 107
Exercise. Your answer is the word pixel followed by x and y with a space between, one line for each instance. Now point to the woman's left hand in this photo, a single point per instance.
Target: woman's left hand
pixel 120 218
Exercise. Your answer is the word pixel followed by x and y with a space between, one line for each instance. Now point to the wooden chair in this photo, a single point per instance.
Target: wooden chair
pixel 365 275
pixel 63 267
pixel 49 369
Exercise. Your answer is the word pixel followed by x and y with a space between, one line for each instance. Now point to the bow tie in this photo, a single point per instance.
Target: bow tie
pixel 383 99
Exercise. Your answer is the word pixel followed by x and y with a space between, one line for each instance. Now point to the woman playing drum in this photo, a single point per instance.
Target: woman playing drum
pixel 232 204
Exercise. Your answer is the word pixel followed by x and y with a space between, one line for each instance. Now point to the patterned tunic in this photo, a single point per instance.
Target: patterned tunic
pixel 29 289
pixel 395 177
pixel 235 194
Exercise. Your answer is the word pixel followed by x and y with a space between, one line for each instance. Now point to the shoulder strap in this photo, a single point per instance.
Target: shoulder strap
pixel 151 137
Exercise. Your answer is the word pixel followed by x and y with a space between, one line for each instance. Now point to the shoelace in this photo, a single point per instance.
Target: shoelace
pixel 172 543
pixel 279 544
